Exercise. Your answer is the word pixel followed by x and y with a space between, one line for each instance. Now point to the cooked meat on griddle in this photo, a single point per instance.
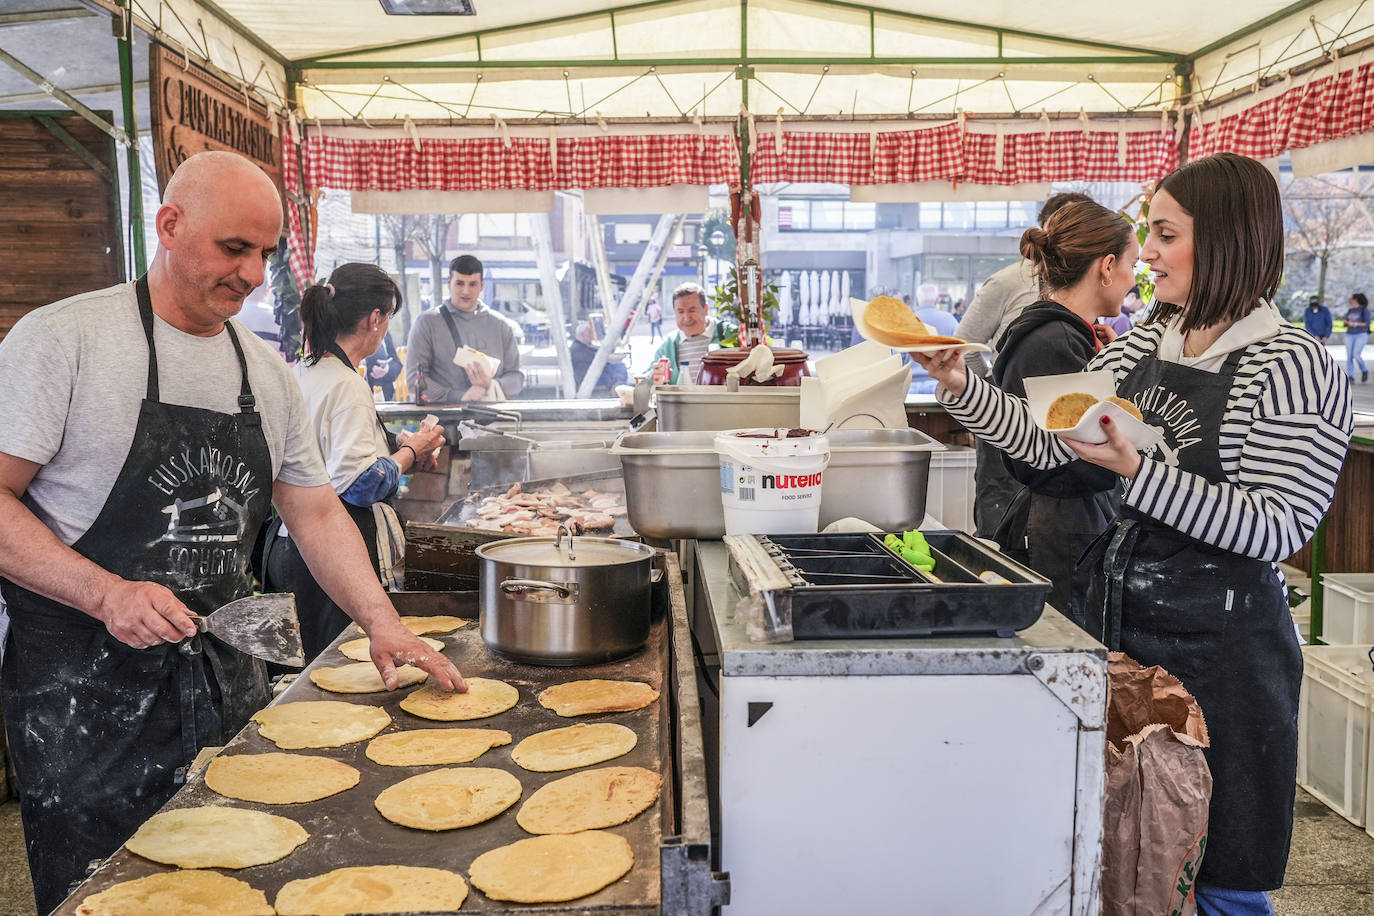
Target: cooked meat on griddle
pixel 540 512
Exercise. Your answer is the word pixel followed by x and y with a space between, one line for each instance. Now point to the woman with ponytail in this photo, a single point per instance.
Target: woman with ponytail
pixel 344 320
pixel 1083 257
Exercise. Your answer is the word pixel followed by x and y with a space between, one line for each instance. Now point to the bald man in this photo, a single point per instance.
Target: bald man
pixel 144 433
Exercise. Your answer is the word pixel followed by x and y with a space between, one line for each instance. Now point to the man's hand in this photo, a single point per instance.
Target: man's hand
pixel 946 367
pixel 393 644
pixel 479 374
pixel 143 614
pixel 1116 454
pixel 380 368
pixel 475 393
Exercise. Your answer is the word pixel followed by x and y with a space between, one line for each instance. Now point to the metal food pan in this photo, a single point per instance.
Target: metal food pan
pixel 672 480
pixel 706 407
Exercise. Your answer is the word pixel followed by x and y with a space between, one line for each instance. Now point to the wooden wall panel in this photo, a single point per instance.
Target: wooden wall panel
pixel 59 223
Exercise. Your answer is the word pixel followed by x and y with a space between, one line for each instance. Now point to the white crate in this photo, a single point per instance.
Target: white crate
pixel 1348 609
pixel 949 495
pixel 1334 716
pixel 1302 613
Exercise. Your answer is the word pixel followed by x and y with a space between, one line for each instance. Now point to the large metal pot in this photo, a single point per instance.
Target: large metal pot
pixel 560 601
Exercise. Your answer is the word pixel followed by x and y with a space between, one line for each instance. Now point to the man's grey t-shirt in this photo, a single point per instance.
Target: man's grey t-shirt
pixel 76 373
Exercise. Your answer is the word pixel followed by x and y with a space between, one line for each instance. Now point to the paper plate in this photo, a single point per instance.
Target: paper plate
pixel 858 306
pixel 1041 392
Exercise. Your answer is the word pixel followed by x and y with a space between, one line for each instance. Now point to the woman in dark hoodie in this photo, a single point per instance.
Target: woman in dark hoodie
pixel 1084 258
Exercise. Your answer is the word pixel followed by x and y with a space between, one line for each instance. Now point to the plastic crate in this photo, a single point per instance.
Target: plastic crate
pixel 1302 613
pixel 1334 717
pixel 949 495
pixel 1348 609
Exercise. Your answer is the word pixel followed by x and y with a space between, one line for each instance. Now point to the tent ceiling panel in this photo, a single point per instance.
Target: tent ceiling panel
pixel 1057 54
pixel 1280 46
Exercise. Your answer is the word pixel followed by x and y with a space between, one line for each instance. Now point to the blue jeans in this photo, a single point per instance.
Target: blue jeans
pixel 1354 347
pixel 1218 901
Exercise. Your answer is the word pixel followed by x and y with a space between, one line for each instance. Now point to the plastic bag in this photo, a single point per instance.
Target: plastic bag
pixel 1158 791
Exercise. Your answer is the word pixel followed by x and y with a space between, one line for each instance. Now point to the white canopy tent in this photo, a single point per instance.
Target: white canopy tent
pixel 348 60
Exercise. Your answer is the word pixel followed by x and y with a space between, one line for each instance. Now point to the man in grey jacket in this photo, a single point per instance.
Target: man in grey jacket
pixel 464 322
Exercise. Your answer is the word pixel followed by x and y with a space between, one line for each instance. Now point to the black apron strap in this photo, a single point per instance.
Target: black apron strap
pixel 145 314
pixel 247 403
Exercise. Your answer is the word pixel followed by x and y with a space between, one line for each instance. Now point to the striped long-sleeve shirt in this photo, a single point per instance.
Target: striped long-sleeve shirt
pixel 1282 442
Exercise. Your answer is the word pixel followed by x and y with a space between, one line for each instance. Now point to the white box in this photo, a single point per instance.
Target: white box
pixel 1334 726
pixel 1348 609
pixel 950 492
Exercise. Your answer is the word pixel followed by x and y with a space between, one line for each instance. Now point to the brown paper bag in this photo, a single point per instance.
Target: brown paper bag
pixel 1158 790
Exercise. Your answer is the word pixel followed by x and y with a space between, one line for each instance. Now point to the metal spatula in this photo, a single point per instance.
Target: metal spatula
pixel 264 626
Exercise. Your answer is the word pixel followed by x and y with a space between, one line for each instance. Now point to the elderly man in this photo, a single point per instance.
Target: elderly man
pixel 143 435
pixel 697 333
pixel 445 342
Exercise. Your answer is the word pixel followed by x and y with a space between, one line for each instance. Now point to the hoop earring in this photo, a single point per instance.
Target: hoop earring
pixel 1106 284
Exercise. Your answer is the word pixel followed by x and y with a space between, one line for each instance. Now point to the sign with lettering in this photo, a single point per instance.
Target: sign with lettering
pixel 193 110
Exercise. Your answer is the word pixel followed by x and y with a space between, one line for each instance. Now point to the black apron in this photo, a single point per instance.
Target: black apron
pixel 284 568
pixel 102 733
pixel 1217 621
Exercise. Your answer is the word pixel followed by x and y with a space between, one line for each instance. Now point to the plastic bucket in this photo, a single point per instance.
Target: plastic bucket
pixel 770 484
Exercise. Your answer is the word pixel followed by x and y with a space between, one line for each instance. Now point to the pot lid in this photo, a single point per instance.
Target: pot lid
pixel 732 355
pixel 545 551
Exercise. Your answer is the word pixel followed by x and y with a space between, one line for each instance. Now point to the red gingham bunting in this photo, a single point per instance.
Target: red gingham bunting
pixel 487 163
pixel 301 253
pixel 930 154
pixel 1327 108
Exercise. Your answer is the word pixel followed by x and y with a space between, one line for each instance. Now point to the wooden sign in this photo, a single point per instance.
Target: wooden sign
pixel 193 111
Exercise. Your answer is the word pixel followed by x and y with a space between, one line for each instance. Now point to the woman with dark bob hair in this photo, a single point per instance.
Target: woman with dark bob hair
pixel 1256 418
pixel 345 319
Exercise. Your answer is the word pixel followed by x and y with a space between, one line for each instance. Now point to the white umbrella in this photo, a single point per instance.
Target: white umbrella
pixel 825 295
pixel 834 292
pixel 844 292
pixel 784 299
pixel 804 296
pixel 815 297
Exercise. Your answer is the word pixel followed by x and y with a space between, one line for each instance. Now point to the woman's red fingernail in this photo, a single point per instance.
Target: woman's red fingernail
pixel 1106 421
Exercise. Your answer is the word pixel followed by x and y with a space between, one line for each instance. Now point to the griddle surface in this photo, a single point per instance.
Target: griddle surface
pixel 346 829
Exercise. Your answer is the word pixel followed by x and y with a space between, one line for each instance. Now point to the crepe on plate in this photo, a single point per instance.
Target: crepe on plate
pixel 891 322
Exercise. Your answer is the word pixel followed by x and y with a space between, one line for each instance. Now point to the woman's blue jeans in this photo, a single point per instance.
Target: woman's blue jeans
pixel 1354 351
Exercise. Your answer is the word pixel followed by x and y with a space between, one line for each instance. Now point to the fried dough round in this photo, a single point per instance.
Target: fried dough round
pixel 360 650
pixel 363 677
pixel 577 745
pixel 1067 409
pixel 1127 406
pixel 279 779
pixel 373 889
pixel 216 836
pixel 582 698
pixel 189 892
pixel 589 800
pixel 485 697
pixel 432 746
pixel 439 623
pixel 319 723
pixel 549 869
pixel 449 798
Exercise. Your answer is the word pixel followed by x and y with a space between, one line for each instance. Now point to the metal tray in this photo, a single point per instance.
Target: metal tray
pixel 672 480
pixel 606 481
pixel 843 586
